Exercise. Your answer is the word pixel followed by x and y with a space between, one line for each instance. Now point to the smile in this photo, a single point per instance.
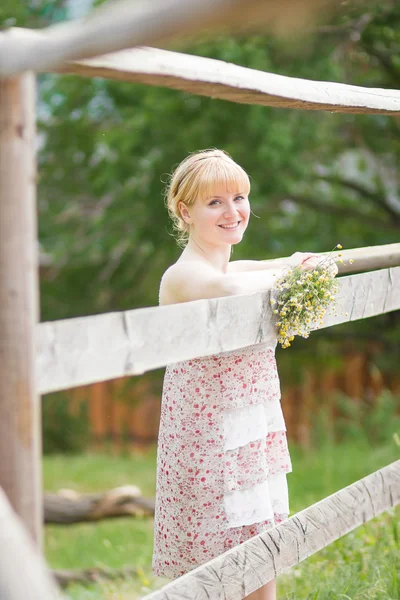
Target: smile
pixel 231 226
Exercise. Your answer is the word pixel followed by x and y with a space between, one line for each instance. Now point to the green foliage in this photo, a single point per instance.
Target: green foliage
pixel 375 423
pixel 108 147
pixel 318 178
pixel 63 432
pixel 363 564
pixel 31 13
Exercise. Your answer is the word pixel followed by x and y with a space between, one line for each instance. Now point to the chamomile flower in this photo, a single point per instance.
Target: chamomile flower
pixel 303 299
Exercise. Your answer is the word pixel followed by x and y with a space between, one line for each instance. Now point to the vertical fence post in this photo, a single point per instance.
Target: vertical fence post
pixel 20 439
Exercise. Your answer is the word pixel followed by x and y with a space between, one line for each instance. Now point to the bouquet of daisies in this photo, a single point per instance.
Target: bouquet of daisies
pixel 302 298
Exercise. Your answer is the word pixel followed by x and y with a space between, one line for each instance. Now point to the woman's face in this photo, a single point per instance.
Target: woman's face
pixel 218 219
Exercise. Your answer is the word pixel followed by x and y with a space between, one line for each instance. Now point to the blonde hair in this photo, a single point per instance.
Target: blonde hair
pixel 196 177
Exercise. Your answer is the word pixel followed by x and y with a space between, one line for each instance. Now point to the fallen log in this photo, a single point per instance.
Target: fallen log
pixel 68 506
pixel 66 577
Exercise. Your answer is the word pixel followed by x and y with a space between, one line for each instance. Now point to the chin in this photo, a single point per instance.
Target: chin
pixel 236 239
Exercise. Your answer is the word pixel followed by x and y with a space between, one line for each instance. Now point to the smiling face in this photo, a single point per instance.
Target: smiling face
pixel 210 192
pixel 219 218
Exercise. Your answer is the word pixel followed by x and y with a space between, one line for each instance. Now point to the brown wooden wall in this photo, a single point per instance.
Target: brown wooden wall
pixel 124 413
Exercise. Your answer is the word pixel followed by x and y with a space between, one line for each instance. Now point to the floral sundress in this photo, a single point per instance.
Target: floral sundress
pixel 222 457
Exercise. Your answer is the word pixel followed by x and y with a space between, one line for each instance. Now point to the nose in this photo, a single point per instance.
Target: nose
pixel 231 210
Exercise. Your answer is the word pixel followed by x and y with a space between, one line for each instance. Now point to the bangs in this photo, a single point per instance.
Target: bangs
pixel 223 174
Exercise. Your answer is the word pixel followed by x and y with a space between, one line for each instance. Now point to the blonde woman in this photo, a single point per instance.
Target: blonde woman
pixel 222 454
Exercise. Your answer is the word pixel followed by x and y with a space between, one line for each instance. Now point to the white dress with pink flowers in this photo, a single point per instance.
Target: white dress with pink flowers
pixel 222 457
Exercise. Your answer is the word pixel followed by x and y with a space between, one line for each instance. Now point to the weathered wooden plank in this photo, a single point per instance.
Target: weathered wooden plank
pixel 367 295
pixel 20 437
pixel 128 23
pixel 218 79
pixel 79 351
pixel 23 572
pixel 368 258
pixel 247 567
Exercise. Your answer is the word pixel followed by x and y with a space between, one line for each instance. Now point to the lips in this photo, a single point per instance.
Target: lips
pixel 230 225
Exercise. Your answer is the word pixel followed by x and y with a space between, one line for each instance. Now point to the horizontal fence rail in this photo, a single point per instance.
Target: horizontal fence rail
pixel 369 258
pixel 85 350
pixel 247 567
pixel 218 79
pixel 128 23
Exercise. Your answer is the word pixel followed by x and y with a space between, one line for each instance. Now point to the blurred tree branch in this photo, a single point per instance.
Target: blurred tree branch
pixel 385 60
pixel 351 30
pixel 376 197
pixel 339 211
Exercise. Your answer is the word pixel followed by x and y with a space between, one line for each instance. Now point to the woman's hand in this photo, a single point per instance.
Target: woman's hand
pixel 305 260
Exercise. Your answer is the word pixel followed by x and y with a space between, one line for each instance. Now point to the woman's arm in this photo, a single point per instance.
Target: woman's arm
pixel 194 280
pixel 238 266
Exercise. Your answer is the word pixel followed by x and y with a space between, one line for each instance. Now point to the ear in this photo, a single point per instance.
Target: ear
pixel 183 209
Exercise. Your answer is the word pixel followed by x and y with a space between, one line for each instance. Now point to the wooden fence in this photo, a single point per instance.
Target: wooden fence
pixel 39 358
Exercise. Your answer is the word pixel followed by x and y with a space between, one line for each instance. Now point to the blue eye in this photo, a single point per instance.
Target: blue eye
pixel 215 201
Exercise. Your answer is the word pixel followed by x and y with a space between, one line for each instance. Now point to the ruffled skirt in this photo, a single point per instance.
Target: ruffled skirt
pixel 222 457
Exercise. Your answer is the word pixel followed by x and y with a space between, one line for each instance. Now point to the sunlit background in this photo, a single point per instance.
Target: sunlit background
pixel 318 179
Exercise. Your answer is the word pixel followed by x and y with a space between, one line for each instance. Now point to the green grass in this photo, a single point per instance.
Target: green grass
pixel 365 564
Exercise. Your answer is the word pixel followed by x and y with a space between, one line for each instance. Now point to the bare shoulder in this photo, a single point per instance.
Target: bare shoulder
pixel 187 280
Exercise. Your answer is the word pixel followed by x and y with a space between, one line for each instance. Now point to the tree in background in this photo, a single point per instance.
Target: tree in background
pixel 317 178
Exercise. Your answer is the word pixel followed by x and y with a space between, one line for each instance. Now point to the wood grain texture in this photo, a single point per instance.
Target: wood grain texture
pixel 366 295
pixel 76 352
pixel 23 572
pixel 192 74
pixel 247 567
pixel 218 79
pixel 20 436
pixel 368 258
pixel 129 23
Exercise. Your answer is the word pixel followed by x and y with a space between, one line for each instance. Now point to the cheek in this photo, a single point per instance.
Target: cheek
pixel 246 212
pixel 211 217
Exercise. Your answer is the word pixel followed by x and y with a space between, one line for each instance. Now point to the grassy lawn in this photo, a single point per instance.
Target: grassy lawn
pixel 365 564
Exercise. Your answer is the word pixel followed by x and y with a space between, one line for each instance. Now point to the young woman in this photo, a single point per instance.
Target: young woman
pixel 222 453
